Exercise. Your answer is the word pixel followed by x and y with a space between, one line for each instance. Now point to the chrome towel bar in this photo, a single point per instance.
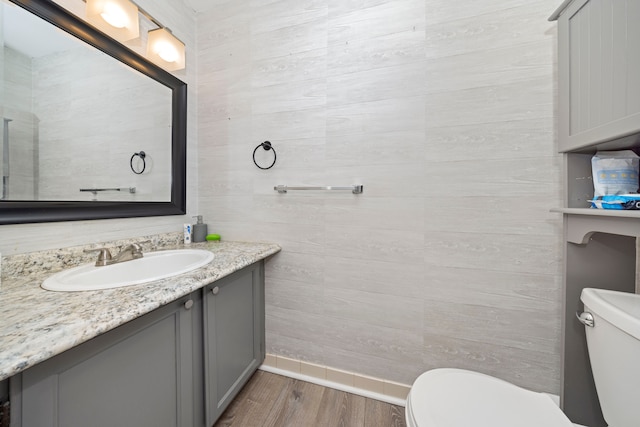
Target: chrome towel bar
pixel 355 188
pixel 95 190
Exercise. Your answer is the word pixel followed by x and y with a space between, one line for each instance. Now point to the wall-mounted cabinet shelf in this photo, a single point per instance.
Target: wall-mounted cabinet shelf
pixel 598 79
pixel 598 109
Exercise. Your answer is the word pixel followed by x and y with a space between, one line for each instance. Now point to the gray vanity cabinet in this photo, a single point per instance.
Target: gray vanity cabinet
pixel 178 366
pixel 233 336
pixel 598 78
pixel 139 374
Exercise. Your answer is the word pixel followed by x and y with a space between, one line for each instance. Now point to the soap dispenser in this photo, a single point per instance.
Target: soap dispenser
pixel 199 230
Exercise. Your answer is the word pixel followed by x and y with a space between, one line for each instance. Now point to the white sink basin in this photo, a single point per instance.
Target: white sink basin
pixel 153 266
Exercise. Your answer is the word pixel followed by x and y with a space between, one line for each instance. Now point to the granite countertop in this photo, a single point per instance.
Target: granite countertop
pixel 36 324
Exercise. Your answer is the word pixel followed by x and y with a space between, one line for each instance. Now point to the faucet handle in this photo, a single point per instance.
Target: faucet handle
pixel 135 249
pixel 139 244
pixel 104 256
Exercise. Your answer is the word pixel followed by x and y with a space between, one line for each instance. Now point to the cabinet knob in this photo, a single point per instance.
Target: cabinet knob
pixel 188 304
pixel 215 290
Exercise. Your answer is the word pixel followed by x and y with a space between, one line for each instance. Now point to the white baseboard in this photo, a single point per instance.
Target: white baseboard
pixel 350 382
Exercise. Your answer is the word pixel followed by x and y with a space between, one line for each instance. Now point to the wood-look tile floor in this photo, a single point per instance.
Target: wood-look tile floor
pixel 270 400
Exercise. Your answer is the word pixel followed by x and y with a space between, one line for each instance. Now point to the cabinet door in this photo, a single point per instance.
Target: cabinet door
pixel 138 375
pixel 234 336
pixel 598 72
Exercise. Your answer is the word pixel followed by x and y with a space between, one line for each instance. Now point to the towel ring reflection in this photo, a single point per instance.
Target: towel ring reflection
pixel 267 146
pixel 142 155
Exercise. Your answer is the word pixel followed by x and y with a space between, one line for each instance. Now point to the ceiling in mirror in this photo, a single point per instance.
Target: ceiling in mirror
pixel 77 108
pixel 15 21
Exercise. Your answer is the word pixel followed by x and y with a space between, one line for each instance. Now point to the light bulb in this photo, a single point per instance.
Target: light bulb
pixel 166 51
pixel 115 15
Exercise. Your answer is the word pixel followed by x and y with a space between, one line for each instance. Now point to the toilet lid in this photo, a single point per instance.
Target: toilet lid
pixel 460 398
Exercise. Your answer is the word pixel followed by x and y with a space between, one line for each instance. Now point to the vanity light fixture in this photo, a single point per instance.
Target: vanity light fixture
pixel 165 50
pixel 117 18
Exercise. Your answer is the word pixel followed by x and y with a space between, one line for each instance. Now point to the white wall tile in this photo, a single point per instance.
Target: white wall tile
pixel 505 214
pixel 513 63
pixel 297 267
pixel 358 336
pixel 298 238
pixel 365 23
pixel 292 295
pixel 442 11
pixel 289 96
pixel 308 327
pixel 445 113
pixel 490 325
pixel 388 115
pixel 394 148
pixel 505 362
pixel 493 288
pixel 383 277
pixel 288 208
pixel 513 139
pixel 384 213
pixel 296 38
pixel 520 177
pixel 400 81
pixel 349 241
pixel 384 51
pixel 268 17
pixel 307 123
pixel 392 311
pixel 501 252
pixel 486 104
pixel 301 66
pixel 487 31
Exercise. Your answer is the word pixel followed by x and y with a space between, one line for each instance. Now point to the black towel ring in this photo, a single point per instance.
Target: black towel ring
pixel 267 146
pixel 142 155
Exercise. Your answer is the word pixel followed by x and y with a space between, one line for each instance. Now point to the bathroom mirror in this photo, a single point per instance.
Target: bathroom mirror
pixel 90 129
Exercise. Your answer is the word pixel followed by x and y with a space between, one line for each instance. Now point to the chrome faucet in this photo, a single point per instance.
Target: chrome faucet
pixel 130 252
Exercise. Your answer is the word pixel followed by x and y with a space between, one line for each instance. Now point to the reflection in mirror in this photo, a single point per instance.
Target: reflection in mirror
pixel 73 117
pixel 76 106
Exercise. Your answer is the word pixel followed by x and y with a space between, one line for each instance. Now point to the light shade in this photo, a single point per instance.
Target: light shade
pixel 165 50
pixel 117 18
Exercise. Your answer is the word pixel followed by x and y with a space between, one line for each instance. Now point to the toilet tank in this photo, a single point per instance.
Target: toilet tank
pixel 614 352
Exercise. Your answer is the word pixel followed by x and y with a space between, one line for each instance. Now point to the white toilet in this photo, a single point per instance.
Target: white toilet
pixel 460 398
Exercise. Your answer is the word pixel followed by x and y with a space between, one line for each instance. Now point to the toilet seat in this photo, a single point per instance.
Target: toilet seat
pixel 460 398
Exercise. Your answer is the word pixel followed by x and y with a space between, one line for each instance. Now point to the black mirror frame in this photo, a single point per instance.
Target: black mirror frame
pixel 22 212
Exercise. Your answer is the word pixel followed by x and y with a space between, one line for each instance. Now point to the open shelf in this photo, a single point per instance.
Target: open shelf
pixel 599 212
pixel 581 223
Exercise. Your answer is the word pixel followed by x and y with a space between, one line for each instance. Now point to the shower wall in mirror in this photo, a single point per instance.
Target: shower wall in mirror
pixel 73 118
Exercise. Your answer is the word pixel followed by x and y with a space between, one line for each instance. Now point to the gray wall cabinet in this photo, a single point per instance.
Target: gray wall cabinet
pixel 598 78
pixel 599 109
pixel 234 336
pixel 172 367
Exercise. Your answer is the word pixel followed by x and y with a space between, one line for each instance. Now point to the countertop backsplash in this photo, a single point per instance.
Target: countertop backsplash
pixel 21 265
